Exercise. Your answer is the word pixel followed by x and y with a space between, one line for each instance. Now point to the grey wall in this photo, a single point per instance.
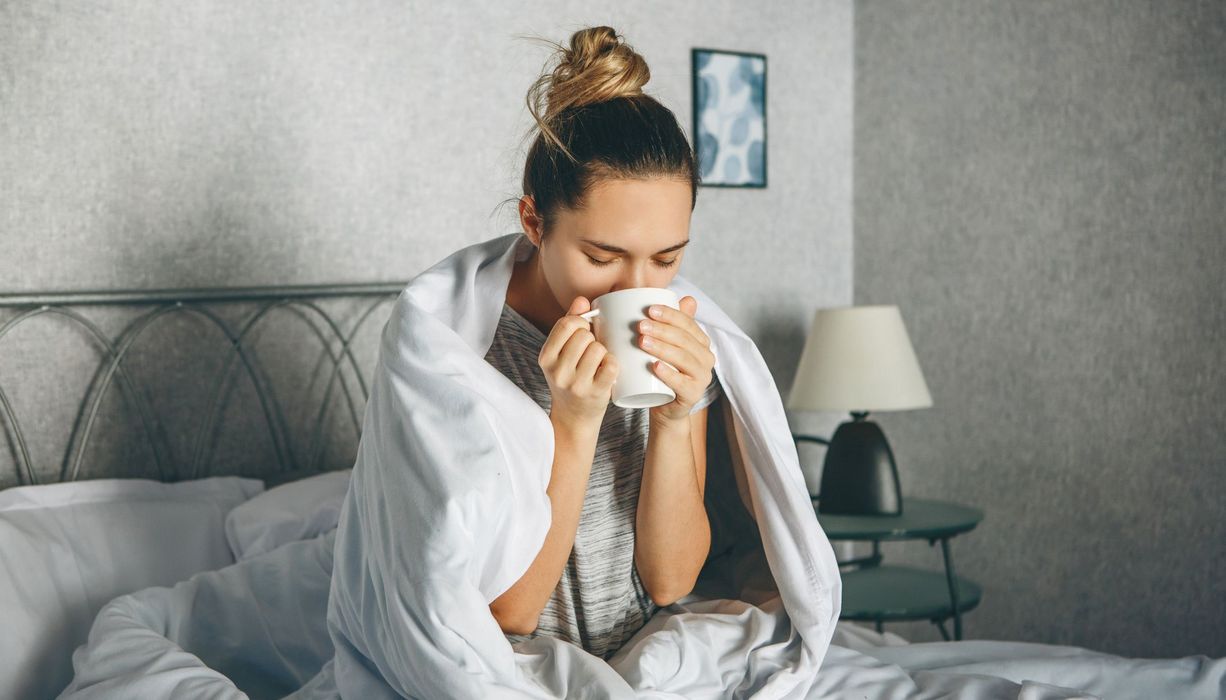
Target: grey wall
pixel 1041 188
pixel 145 145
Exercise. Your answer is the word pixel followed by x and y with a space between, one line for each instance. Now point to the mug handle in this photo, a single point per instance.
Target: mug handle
pixel 590 315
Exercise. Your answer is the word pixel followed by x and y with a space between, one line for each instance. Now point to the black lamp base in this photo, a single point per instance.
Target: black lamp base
pixel 859 476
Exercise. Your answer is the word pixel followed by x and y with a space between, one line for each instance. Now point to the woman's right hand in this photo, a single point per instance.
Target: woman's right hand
pixel 580 371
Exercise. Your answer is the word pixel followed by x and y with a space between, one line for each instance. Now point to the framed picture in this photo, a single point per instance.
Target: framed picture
pixel 729 92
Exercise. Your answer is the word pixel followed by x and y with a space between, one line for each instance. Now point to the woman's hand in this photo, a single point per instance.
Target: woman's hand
pixel 674 337
pixel 580 371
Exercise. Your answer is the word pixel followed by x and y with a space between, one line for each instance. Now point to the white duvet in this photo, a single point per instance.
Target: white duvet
pixel 447 508
pixel 257 629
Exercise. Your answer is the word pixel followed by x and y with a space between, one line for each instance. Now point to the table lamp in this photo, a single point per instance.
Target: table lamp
pixel 859 359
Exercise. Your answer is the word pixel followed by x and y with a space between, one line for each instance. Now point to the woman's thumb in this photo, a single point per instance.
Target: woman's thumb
pixel 580 305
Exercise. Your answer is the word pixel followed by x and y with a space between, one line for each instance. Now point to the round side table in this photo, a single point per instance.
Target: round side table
pixel 881 593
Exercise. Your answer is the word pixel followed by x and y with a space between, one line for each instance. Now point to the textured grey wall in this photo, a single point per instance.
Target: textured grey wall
pixel 1041 187
pixel 145 145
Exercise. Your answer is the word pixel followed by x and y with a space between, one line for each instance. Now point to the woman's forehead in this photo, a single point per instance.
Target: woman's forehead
pixel 648 217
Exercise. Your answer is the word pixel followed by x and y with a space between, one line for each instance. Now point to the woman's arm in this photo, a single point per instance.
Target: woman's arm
pixel 672 533
pixel 518 610
pixel 580 373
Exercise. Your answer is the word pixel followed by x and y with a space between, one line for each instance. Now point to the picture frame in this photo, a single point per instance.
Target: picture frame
pixel 729 99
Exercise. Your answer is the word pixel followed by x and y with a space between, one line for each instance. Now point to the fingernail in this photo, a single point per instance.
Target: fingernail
pixel 646 326
pixel 654 311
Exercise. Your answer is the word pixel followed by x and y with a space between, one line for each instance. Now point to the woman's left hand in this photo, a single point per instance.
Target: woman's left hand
pixel 674 337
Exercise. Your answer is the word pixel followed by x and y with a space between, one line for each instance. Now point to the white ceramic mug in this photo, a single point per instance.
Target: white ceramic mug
pixel 616 326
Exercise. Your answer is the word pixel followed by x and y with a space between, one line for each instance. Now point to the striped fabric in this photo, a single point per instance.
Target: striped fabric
pixel 600 601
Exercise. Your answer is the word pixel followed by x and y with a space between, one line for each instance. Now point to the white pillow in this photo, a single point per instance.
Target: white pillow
pixel 298 510
pixel 68 549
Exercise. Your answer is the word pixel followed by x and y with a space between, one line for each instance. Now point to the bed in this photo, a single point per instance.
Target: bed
pixel 197 565
pixel 122 461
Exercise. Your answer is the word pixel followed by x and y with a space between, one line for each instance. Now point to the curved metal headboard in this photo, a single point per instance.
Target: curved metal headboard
pixel 195 302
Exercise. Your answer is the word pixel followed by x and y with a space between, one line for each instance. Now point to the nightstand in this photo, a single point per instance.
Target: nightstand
pixel 882 593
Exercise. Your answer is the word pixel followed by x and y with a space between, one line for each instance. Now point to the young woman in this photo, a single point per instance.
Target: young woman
pixel 610 183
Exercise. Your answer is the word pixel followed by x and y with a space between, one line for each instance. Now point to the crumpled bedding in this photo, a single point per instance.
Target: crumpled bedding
pixel 447 508
pixel 257 629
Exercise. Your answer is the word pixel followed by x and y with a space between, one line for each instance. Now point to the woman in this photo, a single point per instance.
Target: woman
pixel 609 184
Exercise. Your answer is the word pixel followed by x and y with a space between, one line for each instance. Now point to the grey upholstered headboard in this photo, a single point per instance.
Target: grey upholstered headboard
pixel 265 382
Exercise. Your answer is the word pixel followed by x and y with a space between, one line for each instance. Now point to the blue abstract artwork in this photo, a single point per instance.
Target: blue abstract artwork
pixel 729 90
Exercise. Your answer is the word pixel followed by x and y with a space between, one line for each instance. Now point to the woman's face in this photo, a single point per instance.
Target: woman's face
pixel 631 233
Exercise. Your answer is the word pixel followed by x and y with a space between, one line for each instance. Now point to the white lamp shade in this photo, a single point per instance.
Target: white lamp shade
pixel 858 358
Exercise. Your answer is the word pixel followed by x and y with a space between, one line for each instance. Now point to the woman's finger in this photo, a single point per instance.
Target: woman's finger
pixel 680 319
pixel 688 391
pixel 590 360
pixel 574 347
pixel 671 378
pixel 672 334
pixel 674 355
pixel 561 332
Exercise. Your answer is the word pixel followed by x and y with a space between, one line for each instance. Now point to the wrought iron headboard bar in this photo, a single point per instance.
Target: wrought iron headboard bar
pixel 166 301
pixel 151 296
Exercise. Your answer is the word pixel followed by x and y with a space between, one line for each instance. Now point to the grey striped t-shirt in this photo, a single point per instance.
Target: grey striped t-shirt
pixel 600 601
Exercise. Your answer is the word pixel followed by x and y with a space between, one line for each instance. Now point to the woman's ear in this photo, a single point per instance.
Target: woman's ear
pixel 529 220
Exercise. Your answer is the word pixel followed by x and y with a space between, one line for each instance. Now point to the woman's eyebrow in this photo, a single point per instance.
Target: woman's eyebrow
pixel 615 249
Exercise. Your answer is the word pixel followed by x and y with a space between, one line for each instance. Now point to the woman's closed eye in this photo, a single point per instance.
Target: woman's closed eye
pixel 659 263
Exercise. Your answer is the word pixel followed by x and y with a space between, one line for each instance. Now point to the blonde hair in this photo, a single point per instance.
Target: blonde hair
pixel 593 122
pixel 598 66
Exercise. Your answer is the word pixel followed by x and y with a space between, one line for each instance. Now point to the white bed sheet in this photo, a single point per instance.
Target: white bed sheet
pixel 257 629
pixel 68 548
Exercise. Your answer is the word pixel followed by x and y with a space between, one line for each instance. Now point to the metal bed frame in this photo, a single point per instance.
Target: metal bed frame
pixel 301 299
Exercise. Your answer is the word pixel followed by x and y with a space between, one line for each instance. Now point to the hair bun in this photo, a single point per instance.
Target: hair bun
pixel 598 66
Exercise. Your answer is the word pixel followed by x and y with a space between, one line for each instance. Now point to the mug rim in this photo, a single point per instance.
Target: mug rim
pixel 639 290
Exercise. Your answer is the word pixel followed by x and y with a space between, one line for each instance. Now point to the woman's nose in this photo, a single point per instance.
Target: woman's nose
pixel 633 278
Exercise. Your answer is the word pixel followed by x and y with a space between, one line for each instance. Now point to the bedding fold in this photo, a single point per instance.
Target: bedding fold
pixel 257 630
